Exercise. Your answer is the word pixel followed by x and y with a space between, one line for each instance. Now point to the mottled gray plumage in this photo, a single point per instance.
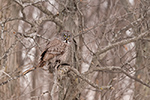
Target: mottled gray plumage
pixel 56 51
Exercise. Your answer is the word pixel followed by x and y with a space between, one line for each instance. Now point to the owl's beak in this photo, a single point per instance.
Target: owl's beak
pixel 66 40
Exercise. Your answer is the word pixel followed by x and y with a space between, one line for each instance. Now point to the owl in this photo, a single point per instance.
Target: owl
pixel 56 51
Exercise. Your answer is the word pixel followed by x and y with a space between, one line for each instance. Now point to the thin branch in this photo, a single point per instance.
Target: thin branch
pixel 21 18
pixel 108 20
pixel 107 68
pixel 89 81
pixel 134 78
pixel 4 56
pixel 51 16
pixel 123 42
pixel 16 77
pixel 112 68
pixel 43 9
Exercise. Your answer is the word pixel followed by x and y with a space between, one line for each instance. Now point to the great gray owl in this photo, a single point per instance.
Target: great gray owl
pixel 56 50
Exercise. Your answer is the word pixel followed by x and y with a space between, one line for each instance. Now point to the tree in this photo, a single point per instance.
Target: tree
pixel 108 58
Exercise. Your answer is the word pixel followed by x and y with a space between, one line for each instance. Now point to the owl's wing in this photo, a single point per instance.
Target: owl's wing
pixel 54 48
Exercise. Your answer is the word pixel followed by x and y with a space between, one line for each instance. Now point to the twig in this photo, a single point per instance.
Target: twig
pixel 88 81
pixel 16 77
pixel 9 49
pixel 123 42
pixel 112 68
pixel 52 17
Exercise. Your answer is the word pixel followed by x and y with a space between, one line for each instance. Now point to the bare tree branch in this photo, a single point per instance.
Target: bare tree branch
pixel 51 17
pixel 123 42
pixel 88 81
pixel 113 68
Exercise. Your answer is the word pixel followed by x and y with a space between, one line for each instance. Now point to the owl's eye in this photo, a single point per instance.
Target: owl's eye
pixel 64 35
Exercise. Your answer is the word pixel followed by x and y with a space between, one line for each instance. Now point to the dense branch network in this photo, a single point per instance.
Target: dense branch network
pixel 53 18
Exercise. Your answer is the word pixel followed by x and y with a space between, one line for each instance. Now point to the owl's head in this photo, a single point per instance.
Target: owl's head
pixel 66 36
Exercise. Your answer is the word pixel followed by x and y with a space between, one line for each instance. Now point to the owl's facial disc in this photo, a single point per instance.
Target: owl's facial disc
pixel 66 38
